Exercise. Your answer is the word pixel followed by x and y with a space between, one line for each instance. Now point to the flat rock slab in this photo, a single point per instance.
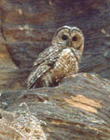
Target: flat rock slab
pixel 79 108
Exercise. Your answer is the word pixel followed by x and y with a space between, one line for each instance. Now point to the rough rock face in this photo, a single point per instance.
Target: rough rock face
pixel 20 127
pixel 77 109
pixel 27 28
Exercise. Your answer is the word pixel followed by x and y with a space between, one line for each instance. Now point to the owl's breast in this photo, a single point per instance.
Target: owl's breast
pixel 66 64
pixel 67 61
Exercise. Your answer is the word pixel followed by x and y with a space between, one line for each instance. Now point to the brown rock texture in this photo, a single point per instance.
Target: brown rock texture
pixel 27 28
pixel 77 109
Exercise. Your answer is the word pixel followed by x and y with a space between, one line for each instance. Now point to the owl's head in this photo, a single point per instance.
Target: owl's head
pixel 69 37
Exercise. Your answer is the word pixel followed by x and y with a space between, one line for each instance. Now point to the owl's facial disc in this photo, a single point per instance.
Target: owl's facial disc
pixel 63 37
pixel 77 39
pixel 69 37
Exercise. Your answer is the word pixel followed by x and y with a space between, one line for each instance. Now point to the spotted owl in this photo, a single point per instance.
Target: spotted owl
pixel 59 60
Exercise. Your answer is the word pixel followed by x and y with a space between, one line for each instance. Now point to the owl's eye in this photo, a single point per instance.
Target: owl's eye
pixel 64 37
pixel 74 38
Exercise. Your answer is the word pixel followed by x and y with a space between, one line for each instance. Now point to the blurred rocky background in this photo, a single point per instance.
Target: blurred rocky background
pixel 79 108
pixel 27 27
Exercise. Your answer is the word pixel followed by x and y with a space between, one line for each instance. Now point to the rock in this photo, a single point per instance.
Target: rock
pixel 20 127
pixel 79 108
pixel 27 28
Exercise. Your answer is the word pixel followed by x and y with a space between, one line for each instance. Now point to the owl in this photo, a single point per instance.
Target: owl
pixel 59 60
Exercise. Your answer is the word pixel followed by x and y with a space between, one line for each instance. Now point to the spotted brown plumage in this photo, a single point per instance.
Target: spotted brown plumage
pixel 59 60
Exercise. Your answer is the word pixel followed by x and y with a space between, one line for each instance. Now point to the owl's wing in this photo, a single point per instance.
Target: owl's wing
pixel 48 55
pixel 45 61
pixel 36 73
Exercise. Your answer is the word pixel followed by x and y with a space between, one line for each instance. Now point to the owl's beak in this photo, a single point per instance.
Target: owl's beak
pixel 69 43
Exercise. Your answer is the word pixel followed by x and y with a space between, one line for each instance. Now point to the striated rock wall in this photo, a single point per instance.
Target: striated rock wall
pixel 77 109
pixel 27 28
